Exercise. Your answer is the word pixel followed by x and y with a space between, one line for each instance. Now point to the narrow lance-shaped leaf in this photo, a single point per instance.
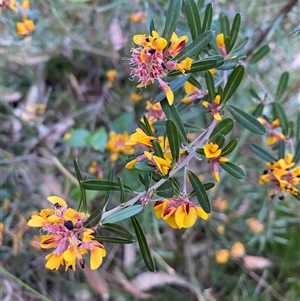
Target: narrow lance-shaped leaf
pixel 259 54
pixel 208 14
pixel 149 131
pixel 296 158
pixel 222 128
pixel 157 149
pixel 298 127
pixel 166 190
pixel 247 120
pixel 104 185
pixel 122 196
pixel 172 114
pixel 108 193
pixel 233 82
pixel 196 46
pixel 200 192
pixel 143 244
pixel 220 140
pixel 234 30
pixel 210 84
pixel 281 149
pixel 207 186
pixel 262 153
pixel 282 85
pixel 280 114
pixel 193 18
pixel 93 219
pixel 172 18
pixel 229 148
pixel 234 170
pixel 122 214
pixel 229 64
pixel 152 26
pixel 118 230
pixel 172 135
pixel 115 240
pixel 83 201
pixel 224 23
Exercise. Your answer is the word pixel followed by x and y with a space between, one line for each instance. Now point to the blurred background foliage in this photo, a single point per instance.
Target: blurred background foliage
pixel 66 86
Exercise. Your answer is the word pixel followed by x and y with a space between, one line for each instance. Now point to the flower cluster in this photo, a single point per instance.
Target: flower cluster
pixel 162 164
pixel 274 135
pixel 117 144
pixel 213 154
pixel 66 233
pixel 150 60
pixel 179 212
pixel 25 26
pixel 283 176
pixel 237 251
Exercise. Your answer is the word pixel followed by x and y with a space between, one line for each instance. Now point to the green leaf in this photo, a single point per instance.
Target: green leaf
pixel 78 138
pixel 297 153
pixel 262 153
pixel 152 26
pixel 172 18
pixel 200 192
pixel 208 14
pixel 282 85
pixel 258 110
pixel 122 196
pixel 108 192
pixel 233 82
pixel 281 149
pixel 191 128
pixel 220 140
pixel 234 170
pixel 172 114
pixel 229 64
pixel 122 214
pixel 218 58
pixel 193 18
pixel 247 120
pixel 157 149
pixel 172 134
pixel 98 139
pixel 196 46
pixel 297 196
pixel 234 31
pixel 207 186
pixel 148 131
pixel 143 244
pixel 222 128
pixel 166 190
pixel 259 54
pixel 93 219
pixel 175 185
pixel 104 185
pixel 229 148
pixel 280 114
pixel 83 200
pixel 118 230
pixel 115 240
pixel 224 24
pixel 174 85
pixel 210 84
pixel 200 109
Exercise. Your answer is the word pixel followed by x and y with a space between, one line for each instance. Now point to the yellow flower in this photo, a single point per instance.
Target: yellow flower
pixel 192 92
pixel 186 64
pixel 179 212
pixel 286 163
pixel 177 44
pixel 220 40
pixel 221 229
pixel 24 28
pixel 163 164
pixel 214 107
pixel 65 232
pixel 255 225
pixel 237 250
pixel 111 76
pixel 140 137
pixel 139 16
pixel 222 256
pixel 134 97
pixel 117 143
pixel 212 150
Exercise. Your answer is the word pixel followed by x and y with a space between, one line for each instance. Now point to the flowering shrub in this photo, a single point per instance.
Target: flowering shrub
pixel 179 148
